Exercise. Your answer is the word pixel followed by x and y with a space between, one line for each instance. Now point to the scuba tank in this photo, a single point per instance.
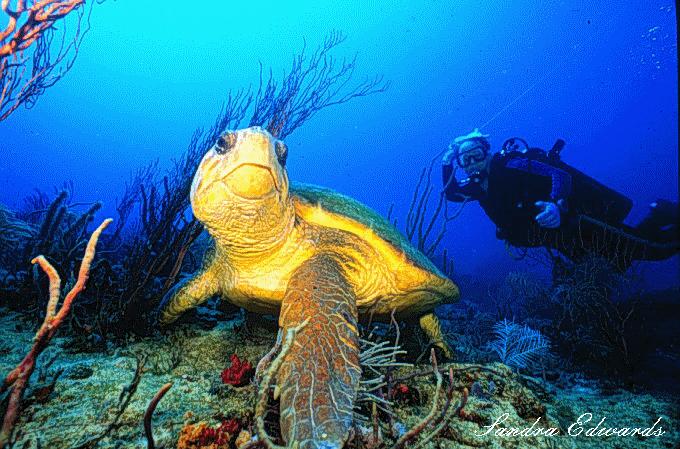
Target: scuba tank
pixel 588 196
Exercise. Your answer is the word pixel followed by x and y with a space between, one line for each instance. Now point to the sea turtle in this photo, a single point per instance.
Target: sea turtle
pixel 305 253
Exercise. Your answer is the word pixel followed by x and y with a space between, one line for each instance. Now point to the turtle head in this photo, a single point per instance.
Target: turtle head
pixel 240 191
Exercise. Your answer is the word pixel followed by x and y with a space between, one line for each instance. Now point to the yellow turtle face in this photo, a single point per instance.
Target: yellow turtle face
pixel 241 185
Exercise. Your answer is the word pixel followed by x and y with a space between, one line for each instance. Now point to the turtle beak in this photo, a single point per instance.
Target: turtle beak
pixel 251 181
pixel 251 166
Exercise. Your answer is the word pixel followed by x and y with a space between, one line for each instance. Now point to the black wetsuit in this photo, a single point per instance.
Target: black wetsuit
pixel 515 184
pixel 591 219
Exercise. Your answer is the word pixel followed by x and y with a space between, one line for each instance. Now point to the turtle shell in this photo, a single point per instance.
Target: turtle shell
pixel 348 207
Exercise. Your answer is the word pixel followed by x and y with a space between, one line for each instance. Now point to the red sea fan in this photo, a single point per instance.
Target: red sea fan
pixel 239 373
pixel 231 426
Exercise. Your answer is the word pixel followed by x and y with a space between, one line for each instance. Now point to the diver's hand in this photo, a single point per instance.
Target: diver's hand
pixel 549 216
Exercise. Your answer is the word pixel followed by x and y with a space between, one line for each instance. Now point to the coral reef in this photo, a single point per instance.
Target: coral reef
pixel 596 318
pixel 437 419
pixel 592 302
pixel 79 408
pixel 17 380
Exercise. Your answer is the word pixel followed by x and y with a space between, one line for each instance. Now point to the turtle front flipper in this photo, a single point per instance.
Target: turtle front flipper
pixel 319 376
pixel 195 291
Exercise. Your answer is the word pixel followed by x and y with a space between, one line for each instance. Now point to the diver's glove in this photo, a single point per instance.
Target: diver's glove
pixel 549 217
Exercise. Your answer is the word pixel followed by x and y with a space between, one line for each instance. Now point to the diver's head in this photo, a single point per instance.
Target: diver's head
pixel 471 152
pixel 240 190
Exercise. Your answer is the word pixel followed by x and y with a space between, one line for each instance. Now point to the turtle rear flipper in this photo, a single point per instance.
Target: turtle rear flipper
pixel 319 377
pixel 430 325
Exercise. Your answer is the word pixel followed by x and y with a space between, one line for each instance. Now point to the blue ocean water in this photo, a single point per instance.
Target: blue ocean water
pixel 601 75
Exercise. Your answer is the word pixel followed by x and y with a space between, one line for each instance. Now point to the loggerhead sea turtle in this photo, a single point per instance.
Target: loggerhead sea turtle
pixel 305 253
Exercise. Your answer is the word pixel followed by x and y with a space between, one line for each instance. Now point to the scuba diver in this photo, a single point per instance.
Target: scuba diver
pixel 537 200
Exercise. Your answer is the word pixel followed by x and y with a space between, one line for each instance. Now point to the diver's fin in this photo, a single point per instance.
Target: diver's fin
pixel 621 245
pixel 662 224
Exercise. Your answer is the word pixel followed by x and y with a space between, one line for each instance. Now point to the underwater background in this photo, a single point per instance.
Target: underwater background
pixel 603 76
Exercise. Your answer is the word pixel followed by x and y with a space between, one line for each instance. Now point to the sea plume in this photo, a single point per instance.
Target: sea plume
pixel 518 345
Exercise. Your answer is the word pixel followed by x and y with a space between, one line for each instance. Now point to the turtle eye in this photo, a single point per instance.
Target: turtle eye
pixel 225 142
pixel 281 152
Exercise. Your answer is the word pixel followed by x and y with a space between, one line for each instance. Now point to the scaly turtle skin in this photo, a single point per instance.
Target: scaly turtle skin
pixel 308 253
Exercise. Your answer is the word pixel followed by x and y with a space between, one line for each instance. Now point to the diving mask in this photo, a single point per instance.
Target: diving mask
pixel 471 149
pixel 470 156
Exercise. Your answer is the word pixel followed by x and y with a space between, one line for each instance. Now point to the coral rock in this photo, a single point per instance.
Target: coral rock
pixel 203 436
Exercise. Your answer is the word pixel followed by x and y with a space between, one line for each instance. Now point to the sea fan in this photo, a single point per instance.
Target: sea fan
pixel 518 345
